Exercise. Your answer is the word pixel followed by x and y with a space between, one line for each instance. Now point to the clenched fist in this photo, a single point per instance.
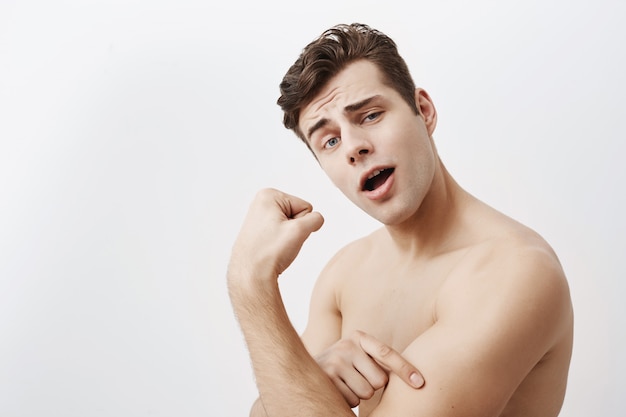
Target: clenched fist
pixel 276 226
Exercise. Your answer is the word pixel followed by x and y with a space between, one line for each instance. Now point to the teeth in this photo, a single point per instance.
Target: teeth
pixel 378 171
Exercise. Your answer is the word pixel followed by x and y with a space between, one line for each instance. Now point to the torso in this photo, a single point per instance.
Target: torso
pixel 396 301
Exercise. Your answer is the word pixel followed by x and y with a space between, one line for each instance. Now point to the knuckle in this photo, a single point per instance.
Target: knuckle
pixel 379 381
pixel 384 351
pixel 405 368
pixel 353 401
pixel 351 398
pixel 333 362
pixel 265 193
pixel 330 369
pixel 332 366
pixel 367 393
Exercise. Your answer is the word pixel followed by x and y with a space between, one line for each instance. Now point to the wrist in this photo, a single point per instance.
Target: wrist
pixel 250 285
pixel 253 267
pixel 246 273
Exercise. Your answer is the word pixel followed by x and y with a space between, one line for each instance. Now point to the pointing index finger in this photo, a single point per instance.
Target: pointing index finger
pixel 391 360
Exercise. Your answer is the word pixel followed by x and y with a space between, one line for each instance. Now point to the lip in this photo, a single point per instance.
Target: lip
pixel 381 191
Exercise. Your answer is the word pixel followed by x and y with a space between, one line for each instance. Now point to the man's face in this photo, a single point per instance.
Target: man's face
pixel 371 144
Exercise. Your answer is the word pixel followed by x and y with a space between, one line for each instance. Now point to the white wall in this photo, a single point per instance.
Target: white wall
pixel 133 135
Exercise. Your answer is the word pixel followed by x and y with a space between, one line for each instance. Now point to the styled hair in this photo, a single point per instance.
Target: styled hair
pixel 330 53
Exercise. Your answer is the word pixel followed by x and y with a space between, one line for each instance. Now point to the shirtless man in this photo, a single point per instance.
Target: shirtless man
pixel 473 299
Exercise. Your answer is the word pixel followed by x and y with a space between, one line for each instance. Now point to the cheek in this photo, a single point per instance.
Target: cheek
pixel 335 175
pixel 425 171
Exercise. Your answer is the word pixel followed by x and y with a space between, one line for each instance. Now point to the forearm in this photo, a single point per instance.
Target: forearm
pixel 289 380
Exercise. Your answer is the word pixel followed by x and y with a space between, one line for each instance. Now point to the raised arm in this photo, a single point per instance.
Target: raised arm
pixel 289 380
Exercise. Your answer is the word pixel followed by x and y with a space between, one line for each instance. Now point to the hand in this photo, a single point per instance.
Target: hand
pixel 276 226
pixel 360 365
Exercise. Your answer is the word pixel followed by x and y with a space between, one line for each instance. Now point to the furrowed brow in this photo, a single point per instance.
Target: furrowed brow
pixel 318 125
pixel 351 108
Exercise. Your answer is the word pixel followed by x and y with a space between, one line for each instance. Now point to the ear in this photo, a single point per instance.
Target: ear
pixel 426 109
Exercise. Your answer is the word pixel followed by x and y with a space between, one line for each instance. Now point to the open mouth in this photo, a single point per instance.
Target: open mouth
pixel 377 178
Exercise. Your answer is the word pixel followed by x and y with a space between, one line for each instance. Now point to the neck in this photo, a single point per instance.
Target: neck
pixel 433 229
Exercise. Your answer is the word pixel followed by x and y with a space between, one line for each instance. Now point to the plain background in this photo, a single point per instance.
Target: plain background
pixel 133 135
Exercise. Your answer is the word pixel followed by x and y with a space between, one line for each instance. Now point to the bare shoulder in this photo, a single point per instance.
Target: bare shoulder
pixel 503 320
pixel 341 265
pixel 515 274
pixel 517 261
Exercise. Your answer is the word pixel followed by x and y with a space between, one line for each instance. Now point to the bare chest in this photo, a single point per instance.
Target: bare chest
pixel 394 303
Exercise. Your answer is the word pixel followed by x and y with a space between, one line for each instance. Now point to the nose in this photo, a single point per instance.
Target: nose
pixel 361 152
pixel 357 146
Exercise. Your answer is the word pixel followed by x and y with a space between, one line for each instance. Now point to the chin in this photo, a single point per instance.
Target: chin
pixel 391 212
pixel 395 214
pixel 390 217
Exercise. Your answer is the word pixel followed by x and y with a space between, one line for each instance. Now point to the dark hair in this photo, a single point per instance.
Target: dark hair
pixel 331 52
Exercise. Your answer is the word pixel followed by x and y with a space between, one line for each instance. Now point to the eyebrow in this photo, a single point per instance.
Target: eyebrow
pixel 318 125
pixel 350 108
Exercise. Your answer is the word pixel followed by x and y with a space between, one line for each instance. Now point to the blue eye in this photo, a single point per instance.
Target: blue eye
pixel 372 116
pixel 331 143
